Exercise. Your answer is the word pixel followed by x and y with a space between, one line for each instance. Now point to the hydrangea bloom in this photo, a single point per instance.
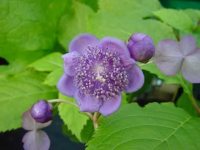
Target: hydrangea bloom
pixel 97 71
pixel 41 111
pixel 141 47
pixel 172 56
pixel 35 138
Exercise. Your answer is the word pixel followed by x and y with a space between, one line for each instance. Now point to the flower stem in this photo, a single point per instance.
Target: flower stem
pixel 70 103
pixel 195 104
pixel 62 101
pixel 188 91
pixel 95 119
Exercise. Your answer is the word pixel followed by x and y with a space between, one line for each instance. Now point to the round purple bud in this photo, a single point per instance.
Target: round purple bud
pixel 141 47
pixel 41 111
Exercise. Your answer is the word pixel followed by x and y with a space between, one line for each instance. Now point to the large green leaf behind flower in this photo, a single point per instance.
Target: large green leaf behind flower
pixel 155 127
pixel 28 30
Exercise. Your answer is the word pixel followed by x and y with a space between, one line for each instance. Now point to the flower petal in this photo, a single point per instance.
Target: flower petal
pixel 36 140
pixel 136 79
pixel 191 69
pixel 81 43
pixel 66 86
pixel 29 123
pixel 168 57
pixel 110 106
pixel 187 45
pixel 114 45
pixel 69 60
pixel 87 103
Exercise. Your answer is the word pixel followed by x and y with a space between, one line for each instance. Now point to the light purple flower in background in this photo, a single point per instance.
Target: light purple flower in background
pixel 172 56
pixel 35 138
pixel 141 47
pixel 97 71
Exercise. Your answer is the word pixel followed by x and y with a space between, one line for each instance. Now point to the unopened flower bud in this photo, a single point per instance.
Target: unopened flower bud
pixel 41 111
pixel 141 47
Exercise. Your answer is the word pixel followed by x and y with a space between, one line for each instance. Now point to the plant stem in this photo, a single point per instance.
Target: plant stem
pixel 62 101
pixel 70 103
pixel 189 92
pixel 95 119
pixel 194 103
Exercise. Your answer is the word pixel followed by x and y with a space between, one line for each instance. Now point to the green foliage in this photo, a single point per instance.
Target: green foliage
pixel 18 94
pixel 73 118
pixel 74 22
pixel 175 18
pixel 131 9
pixel 156 127
pixel 50 62
pixel 87 132
pixel 28 30
pixel 184 102
pixel 53 77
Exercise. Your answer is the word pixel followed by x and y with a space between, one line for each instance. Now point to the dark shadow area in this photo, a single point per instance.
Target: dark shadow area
pixel 11 140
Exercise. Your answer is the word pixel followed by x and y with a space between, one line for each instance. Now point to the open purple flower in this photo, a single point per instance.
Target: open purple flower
pixel 172 56
pixel 35 138
pixel 97 71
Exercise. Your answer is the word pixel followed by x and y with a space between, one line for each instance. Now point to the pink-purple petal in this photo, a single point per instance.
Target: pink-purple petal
pixel 168 48
pixel 36 140
pixel 111 105
pixel 28 123
pixel 168 57
pixel 191 67
pixel 69 59
pixel 66 86
pixel 169 65
pixel 136 79
pixel 187 45
pixel 114 45
pixel 88 103
pixel 81 43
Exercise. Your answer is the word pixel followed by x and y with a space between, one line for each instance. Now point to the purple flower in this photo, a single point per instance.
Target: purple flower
pixel 172 56
pixel 97 71
pixel 34 139
pixel 41 111
pixel 141 47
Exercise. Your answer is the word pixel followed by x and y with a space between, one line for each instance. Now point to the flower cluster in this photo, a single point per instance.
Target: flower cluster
pixel 172 57
pixel 96 72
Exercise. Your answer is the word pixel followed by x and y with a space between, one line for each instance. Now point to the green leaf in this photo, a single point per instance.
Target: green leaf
pixel 73 23
pixel 53 77
pixel 73 118
pixel 175 18
pixel 194 14
pixel 155 127
pixel 50 62
pixel 103 24
pixel 87 132
pixel 131 8
pixel 93 4
pixel 28 25
pixel 152 68
pixel 18 94
pixel 185 103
